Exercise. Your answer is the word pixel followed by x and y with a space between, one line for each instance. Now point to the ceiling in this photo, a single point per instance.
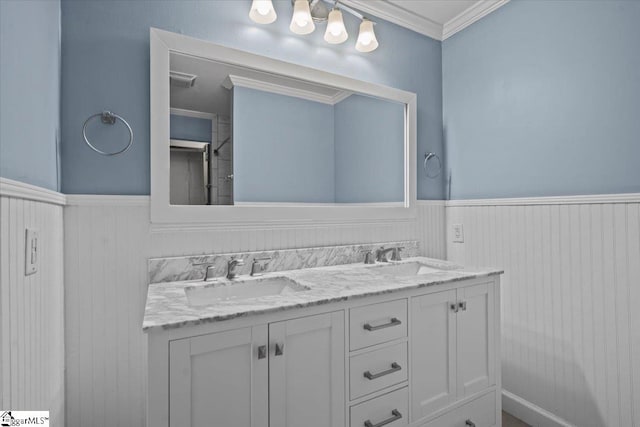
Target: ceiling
pixel 438 19
pixel 440 11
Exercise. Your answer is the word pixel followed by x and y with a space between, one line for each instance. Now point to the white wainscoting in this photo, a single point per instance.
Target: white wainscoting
pixel 571 292
pixel 31 307
pixel 108 240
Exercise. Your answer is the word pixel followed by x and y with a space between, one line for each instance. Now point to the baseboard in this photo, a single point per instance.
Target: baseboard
pixel 530 413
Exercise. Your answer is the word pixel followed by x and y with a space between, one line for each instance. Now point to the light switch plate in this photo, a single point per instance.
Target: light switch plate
pixel 458 233
pixel 31 252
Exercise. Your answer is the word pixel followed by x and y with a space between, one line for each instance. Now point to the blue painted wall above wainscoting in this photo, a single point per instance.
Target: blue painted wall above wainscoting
pixel 105 56
pixel 283 148
pixel 190 128
pixel 369 137
pixel 30 91
pixel 542 98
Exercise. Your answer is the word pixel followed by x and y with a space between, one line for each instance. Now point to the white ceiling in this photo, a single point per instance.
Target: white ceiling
pixel 440 11
pixel 438 19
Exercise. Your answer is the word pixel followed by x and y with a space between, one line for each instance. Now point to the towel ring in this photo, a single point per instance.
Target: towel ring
pixel 427 157
pixel 108 118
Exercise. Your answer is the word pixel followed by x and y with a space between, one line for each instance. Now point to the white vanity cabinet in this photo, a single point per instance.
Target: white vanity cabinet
pixel 288 374
pixel 306 371
pixel 220 379
pixel 421 357
pixel 453 350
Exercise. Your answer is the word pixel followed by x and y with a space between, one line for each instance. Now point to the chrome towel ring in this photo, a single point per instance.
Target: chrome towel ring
pixel 427 157
pixel 108 118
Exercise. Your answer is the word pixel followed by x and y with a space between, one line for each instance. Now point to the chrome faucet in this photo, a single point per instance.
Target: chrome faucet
pixel 232 264
pixel 381 254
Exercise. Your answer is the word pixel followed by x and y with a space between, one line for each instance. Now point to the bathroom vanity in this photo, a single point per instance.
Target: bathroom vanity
pixel 408 343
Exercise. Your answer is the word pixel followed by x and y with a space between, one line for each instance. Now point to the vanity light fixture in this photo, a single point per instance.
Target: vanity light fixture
pixel 262 12
pixel 336 32
pixel 302 21
pixel 367 41
pixel 308 12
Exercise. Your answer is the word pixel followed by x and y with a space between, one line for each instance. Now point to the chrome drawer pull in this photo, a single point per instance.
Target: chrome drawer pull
pixel 394 322
pixel 262 352
pixel 279 349
pixel 394 368
pixel 396 416
pixel 470 423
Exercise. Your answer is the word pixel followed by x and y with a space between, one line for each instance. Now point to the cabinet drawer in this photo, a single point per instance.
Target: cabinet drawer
pixel 377 323
pixel 480 412
pixel 389 410
pixel 377 369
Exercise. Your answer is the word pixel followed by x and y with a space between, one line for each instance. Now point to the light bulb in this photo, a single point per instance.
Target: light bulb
pixel 262 12
pixel 263 7
pixel 336 32
pixel 367 41
pixel 301 21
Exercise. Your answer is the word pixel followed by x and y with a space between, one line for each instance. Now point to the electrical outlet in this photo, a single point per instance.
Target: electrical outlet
pixel 31 252
pixel 458 233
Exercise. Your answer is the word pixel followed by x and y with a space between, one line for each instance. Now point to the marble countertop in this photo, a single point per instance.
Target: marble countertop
pixel 167 305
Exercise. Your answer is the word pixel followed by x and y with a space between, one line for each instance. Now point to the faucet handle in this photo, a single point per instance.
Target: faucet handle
pixel 209 271
pixel 395 255
pixel 257 269
pixel 368 256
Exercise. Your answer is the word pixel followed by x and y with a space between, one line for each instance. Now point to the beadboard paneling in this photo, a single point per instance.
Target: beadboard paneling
pixel 571 333
pixel 31 309
pixel 106 250
pixel 430 228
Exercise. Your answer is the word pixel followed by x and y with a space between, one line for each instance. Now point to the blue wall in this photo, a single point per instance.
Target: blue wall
pixel 105 54
pixel 30 91
pixel 190 128
pixel 543 98
pixel 369 139
pixel 283 148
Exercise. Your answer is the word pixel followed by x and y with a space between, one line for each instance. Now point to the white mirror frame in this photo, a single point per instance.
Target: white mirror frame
pixel 165 215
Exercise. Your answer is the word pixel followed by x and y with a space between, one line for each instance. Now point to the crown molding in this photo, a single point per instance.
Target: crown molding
pixel 470 15
pixel 400 16
pixel 397 15
pixel 280 89
pixel 21 190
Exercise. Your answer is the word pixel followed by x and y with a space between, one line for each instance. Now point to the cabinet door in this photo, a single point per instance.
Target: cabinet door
pixel 306 372
pixel 218 379
pixel 433 341
pixel 476 365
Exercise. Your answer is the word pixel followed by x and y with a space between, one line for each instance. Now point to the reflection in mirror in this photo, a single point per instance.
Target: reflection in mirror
pixel 245 137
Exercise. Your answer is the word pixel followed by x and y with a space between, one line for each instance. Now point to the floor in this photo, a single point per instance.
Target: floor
pixel 509 420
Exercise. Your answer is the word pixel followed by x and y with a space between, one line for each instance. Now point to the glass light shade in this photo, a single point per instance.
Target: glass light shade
pixel 367 41
pixel 301 21
pixel 262 12
pixel 336 32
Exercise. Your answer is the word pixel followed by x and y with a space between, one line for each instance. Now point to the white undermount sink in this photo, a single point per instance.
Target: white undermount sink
pixel 213 293
pixel 406 269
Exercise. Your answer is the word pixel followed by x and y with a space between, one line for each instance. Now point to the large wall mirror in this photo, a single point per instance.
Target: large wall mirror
pixel 238 137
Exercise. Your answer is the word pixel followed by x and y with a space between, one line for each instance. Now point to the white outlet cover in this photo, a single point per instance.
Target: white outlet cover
pixel 31 251
pixel 458 233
